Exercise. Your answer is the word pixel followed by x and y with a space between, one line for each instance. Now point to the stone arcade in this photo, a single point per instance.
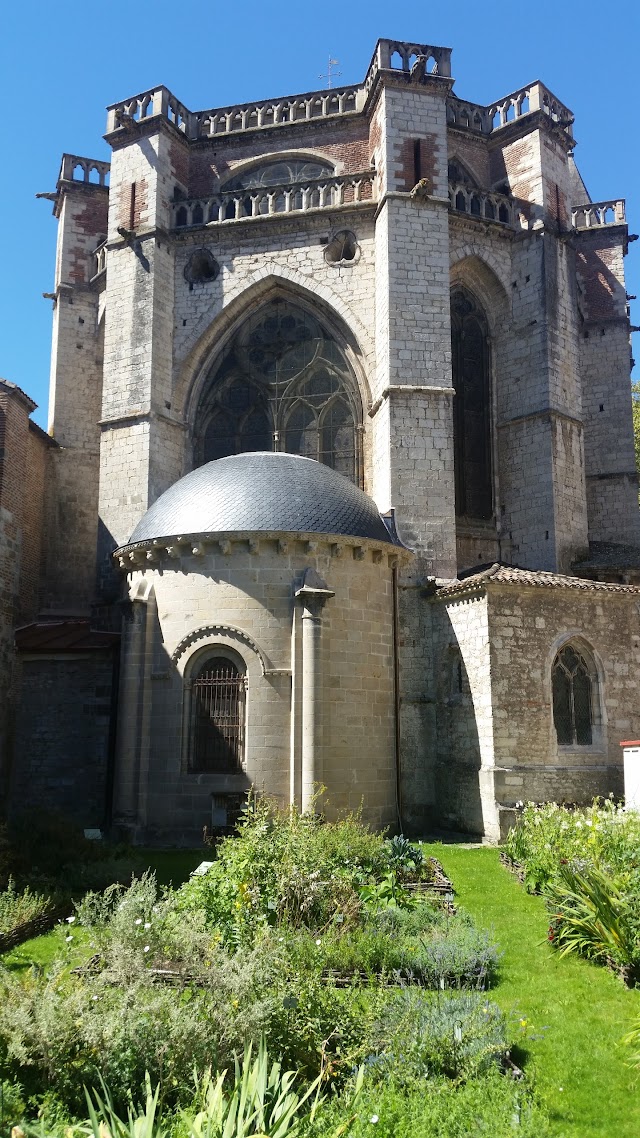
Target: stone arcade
pixel 339 484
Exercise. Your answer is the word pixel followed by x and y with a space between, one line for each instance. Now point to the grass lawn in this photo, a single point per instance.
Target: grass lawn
pixel 578 1063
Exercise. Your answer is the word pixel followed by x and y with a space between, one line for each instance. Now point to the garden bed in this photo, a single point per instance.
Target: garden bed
pixel 338 948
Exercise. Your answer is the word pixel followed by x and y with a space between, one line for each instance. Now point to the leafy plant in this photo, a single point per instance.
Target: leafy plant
pixel 20 905
pixel 285 868
pixel 589 916
pixel 457 1035
pixel 387 893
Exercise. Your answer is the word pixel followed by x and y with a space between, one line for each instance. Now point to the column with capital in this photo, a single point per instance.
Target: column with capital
pixel 313 594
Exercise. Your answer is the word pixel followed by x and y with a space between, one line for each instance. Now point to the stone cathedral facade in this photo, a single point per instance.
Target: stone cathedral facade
pixel 339 484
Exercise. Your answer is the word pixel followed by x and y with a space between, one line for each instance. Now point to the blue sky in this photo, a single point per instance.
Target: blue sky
pixel 62 63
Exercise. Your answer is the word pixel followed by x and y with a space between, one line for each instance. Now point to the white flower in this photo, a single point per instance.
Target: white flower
pixel 68 938
pixel 138 921
pixel 374 1118
pixel 70 920
pixel 318 942
pixel 147 924
pixel 94 997
pixel 146 948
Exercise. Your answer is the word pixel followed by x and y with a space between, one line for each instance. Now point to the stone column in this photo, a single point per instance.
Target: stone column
pixel 314 595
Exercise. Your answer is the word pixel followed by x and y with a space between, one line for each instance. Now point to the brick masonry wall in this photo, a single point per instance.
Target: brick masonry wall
pixel 343 142
pixel 14 426
pixel 464 718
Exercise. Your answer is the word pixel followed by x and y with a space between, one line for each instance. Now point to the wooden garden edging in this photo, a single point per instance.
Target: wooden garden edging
pixel 35 927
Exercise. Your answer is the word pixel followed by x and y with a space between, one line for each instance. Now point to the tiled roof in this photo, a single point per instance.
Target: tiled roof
pixel 53 637
pixel 510 575
pixel 266 491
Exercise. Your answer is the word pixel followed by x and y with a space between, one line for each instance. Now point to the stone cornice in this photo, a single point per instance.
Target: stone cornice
pixel 194 549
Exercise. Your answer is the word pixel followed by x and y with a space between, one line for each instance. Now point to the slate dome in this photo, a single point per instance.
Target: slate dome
pixel 263 490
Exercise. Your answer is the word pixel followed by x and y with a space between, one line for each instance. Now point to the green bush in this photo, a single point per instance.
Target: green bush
pixel 604 834
pixel 285 868
pixel 591 915
pixel 20 905
pixel 422 945
pixel 457 1035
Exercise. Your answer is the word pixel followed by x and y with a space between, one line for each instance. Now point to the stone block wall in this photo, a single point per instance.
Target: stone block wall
pixel 63 714
pixel 527 627
pixel 244 601
pixel 24 468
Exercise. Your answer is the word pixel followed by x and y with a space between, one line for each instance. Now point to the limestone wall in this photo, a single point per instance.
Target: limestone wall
pixel 244 600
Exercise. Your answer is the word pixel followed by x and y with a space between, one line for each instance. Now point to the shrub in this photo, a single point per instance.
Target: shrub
pixel 285 868
pixel 544 836
pixel 18 906
pixel 457 1035
pixel 590 916
pixel 419 945
pixel 436 1108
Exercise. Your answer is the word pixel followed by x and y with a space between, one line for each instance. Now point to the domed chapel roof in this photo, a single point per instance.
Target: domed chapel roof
pixel 263 490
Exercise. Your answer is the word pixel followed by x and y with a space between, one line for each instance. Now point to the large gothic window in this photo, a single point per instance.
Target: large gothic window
pixel 573 697
pixel 284 383
pixel 472 407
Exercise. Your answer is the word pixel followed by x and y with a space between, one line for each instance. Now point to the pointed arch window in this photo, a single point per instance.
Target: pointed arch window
pixel 472 408
pixel 574 690
pixel 284 383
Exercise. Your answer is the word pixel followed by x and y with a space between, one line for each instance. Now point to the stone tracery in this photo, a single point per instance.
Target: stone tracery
pixel 284 383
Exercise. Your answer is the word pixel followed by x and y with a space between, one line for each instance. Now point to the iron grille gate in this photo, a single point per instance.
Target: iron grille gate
pixel 218 717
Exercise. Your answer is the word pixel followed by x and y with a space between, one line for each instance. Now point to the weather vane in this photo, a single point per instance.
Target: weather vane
pixel 331 74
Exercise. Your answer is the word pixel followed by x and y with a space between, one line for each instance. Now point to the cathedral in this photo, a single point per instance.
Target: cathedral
pixel 338 498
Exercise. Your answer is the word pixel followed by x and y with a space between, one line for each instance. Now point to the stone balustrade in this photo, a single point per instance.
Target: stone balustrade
pixel 231 120
pixel 486 120
pixel 396 55
pixel 158 101
pixel 597 214
pixel 237 205
pixel 74 168
pixel 277 112
pixel 485 206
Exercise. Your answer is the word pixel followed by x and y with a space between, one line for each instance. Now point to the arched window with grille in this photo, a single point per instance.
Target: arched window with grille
pixel 574 686
pixel 471 407
pixel 217 716
pixel 284 383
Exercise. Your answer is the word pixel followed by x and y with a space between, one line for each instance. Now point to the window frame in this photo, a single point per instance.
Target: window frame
pixel 195 666
pixel 595 673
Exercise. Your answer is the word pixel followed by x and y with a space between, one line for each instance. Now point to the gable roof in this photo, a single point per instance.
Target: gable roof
pixel 510 575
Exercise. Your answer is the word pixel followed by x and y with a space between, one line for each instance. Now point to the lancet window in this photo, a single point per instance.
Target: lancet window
pixel 284 383
pixel 471 408
pixel 573 687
